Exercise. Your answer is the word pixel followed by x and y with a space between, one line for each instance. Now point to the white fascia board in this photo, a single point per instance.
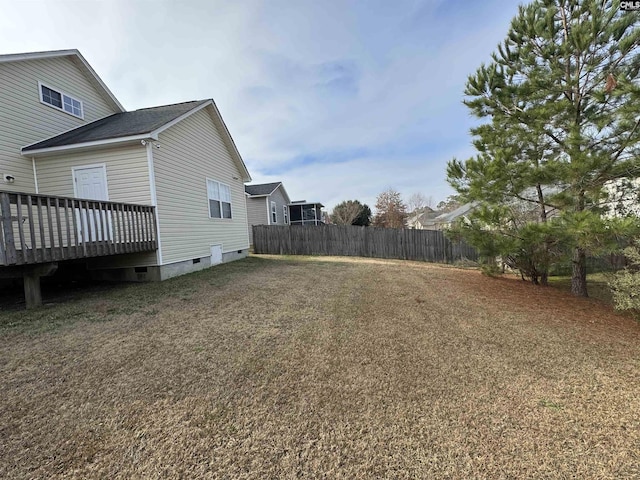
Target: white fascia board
pixel 164 127
pixel 267 194
pixel 286 195
pixel 77 146
pixel 246 177
pixel 277 186
pixel 234 148
pixel 21 57
pixel 99 80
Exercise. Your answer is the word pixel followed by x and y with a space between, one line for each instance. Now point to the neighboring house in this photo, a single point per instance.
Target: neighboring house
pixel 445 220
pixel 267 204
pixel 421 217
pixel 623 198
pixel 167 182
pixel 302 212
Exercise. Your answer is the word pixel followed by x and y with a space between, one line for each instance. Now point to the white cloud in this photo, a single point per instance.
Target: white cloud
pixel 371 91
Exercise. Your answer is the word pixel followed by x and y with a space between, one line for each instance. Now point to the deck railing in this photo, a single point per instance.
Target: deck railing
pixel 45 228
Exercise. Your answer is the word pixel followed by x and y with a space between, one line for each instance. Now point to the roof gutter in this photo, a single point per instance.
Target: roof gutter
pixel 86 145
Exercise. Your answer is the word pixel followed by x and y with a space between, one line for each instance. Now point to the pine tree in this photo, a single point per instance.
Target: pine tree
pixel 562 100
pixel 364 218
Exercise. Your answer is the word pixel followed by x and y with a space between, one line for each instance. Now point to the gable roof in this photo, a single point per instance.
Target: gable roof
pixel 118 125
pixel 421 215
pixel 127 127
pixel 76 57
pixel 262 189
pixel 457 213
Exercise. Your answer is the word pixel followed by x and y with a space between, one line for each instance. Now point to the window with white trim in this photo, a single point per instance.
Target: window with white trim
pixel 219 199
pixel 285 214
pixel 274 215
pixel 57 99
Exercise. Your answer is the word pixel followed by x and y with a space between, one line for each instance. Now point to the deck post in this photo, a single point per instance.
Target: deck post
pixel 10 254
pixel 31 280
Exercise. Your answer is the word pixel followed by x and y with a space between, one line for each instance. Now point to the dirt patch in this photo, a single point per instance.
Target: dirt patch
pixel 314 367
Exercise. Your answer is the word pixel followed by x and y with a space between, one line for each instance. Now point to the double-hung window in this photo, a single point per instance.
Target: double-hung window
pixel 274 215
pixel 61 101
pixel 219 199
pixel 285 214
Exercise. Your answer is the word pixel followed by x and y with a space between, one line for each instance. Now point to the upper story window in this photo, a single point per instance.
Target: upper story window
pixel 61 101
pixel 219 199
pixel 274 214
pixel 285 214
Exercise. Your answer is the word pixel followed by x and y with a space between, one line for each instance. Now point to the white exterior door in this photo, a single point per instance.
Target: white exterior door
pixel 216 254
pixel 91 183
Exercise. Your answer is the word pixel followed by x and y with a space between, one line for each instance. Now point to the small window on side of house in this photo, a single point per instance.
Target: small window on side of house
pixel 274 214
pixel 219 195
pixel 61 101
pixel 285 214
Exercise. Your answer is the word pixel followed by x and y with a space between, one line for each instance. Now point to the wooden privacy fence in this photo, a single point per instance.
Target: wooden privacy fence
pixel 425 245
pixel 43 228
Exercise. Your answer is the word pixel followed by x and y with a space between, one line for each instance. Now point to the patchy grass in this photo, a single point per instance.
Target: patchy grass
pixel 596 285
pixel 320 367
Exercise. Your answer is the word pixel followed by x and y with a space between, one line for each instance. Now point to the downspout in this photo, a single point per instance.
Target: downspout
pixel 266 199
pixel 154 198
pixel 249 227
pixel 35 174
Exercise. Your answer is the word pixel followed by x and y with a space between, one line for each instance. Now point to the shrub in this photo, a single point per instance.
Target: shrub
pixel 625 285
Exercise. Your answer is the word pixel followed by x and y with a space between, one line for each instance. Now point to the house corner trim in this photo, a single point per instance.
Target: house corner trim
pixel 154 198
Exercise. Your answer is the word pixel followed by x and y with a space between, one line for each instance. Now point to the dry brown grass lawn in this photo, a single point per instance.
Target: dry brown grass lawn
pixel 306 367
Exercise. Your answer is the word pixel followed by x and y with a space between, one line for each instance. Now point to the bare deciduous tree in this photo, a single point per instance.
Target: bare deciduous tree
pixel 391 211
pixel 345 213
pixel 418 201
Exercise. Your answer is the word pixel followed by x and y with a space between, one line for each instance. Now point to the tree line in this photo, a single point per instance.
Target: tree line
pixel 391 210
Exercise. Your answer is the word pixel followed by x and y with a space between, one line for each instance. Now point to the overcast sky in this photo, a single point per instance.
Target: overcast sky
pixel 337 99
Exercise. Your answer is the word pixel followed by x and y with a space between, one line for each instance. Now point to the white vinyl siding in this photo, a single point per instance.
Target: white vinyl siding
pixel 219 196
pixel 24 119
pixel 274 213
pixel 127 182
pixel 190 152
pixel 127 173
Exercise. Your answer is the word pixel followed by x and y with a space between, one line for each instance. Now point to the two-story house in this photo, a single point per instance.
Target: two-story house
pixel 140 195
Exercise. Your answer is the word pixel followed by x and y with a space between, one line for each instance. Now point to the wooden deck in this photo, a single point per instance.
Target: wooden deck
pixel 36 229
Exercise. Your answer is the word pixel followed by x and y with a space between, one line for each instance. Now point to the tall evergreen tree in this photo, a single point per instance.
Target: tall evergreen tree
pixel 364 218
pixel 562 99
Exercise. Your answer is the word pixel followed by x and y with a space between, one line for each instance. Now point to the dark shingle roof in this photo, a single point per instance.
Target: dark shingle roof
pixel 261 189
pixel 119 125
